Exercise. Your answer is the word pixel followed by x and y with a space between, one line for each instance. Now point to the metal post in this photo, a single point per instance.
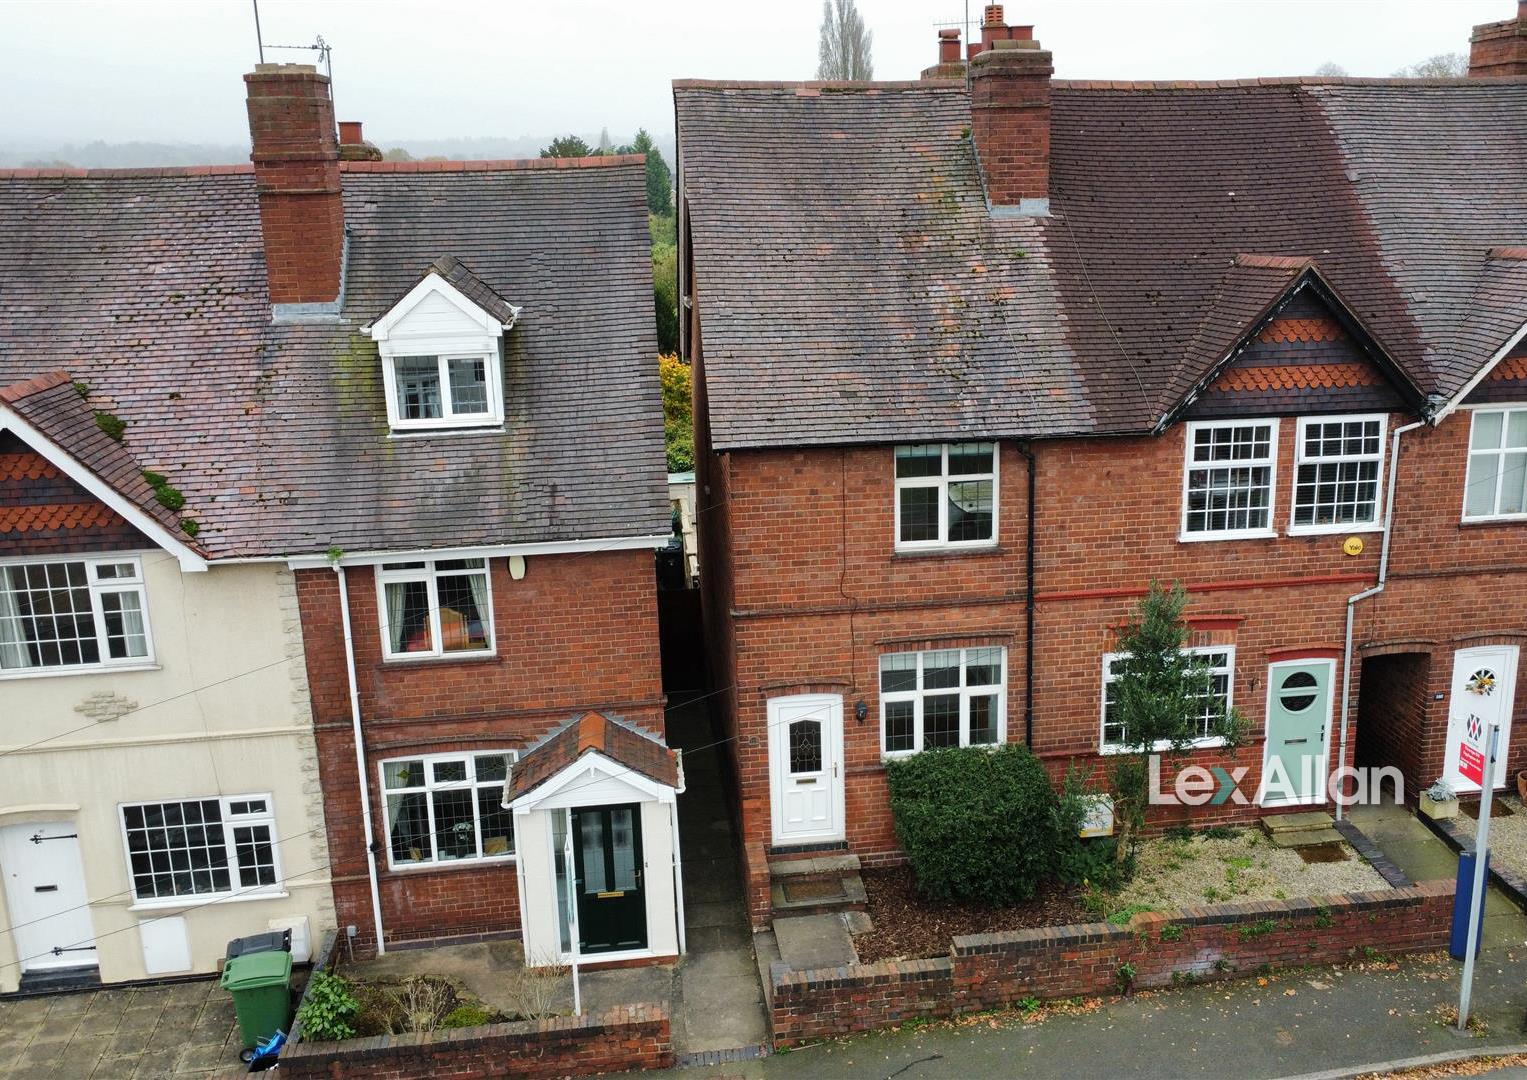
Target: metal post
pixel 259 40
pixel 1477 888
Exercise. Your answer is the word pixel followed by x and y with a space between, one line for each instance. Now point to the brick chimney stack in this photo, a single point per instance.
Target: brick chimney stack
pixel 1500 48
pixel 296 164
pixel 949 65
pixel 1010 116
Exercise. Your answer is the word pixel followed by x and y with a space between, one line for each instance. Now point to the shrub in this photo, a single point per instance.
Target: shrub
pixel 466 1016
pixel 976 824
pixel 328 1011
pixel 1078 861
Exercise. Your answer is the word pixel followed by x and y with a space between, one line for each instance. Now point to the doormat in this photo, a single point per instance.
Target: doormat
pixel 1335 851
pixel 831 889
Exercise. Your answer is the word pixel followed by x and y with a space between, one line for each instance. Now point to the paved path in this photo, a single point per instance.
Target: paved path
pixel 718 1002
pixel 181 1030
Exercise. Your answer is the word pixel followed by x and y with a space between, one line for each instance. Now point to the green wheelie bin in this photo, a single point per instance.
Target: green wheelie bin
pixel 261 985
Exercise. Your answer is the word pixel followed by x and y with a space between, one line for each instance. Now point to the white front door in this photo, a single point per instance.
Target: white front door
pixel 45 889
pixel 1484 686
pixel 805 768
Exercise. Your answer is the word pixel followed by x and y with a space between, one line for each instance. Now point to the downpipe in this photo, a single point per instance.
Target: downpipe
pixel 360 757
pixel 1357 598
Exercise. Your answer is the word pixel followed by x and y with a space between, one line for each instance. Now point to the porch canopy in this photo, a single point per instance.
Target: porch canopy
pixel 615 751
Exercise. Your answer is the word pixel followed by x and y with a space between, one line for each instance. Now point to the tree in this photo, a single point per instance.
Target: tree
pixel 844 49
pixel 665 296
pixel 659 176
pixel 567 146
pixel 1330 70
pixel 1452 65
pixel 1160 697
pixel 397 153
pixel 678 413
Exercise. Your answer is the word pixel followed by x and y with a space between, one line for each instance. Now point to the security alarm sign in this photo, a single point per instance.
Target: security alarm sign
pixel 1471 754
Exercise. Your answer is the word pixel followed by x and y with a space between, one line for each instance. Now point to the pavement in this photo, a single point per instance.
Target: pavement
pixel 815 941
pixel 179 1030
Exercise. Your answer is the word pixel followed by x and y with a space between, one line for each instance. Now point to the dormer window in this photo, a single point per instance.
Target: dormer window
pixel 441 346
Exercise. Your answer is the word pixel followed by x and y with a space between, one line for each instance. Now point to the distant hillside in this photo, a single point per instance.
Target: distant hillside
pixel 137 155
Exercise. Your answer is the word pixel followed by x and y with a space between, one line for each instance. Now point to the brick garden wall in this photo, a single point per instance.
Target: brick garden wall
pixel 993 971
pixel 628 1037
pixel 578 632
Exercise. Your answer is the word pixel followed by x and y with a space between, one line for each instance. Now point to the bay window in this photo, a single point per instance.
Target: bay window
pixel 942 697
pixel 445 808
pixel 73 614
pixel 435 607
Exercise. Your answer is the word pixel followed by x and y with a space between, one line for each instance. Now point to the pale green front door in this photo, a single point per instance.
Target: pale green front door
pixel 1298 721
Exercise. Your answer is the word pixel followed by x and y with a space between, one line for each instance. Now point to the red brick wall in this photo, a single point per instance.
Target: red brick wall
pixel 991 971
pixel 806 591
pixel 1392 716
pixel 627 1037
pixel 578 632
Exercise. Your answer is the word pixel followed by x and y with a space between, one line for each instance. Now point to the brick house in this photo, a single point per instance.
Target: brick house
pixel 976 361
pixel 379 448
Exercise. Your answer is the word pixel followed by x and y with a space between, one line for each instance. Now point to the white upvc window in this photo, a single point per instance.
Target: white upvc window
pixel 946 495
pixel 1221 661
pixel 1338 469
pixel 446 808
pixel 435 607
pixel 70 613
pixel 208 847
pixel 1496 483
pixel 441 390
pixel 942 697
pixel 1228 479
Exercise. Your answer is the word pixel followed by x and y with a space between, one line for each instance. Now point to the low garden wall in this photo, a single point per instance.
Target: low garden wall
pixel 627 1037
pixel 990 971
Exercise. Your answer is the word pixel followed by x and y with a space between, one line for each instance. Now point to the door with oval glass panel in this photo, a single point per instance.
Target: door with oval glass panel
pixel 1298 731
pixel 805 768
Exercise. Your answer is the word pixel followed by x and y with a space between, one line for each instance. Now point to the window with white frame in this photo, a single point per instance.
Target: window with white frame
pixel 1496 483
pixel 1228 481
pixel 444 390
pixel 1338 462
pixel 1220 660
pixel 435 607
pixel 73 613
pixel 946 495
pixel 943 697
pixel 445 808
pixel 201 847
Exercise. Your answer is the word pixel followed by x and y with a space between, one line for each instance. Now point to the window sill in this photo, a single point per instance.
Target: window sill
pixel 1203 538
pixel 396 662
pixel 185 902
pixel 1495 519
pixel 492 427
pixel 1334 530
pixel 55 673
pixel 1113 749
pixel 948 552
pixel 454 864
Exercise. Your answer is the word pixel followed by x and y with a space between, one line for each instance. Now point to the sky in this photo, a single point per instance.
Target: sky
pixel 73 71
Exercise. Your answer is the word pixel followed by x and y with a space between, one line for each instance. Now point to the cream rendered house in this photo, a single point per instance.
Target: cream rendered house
pixel 159 792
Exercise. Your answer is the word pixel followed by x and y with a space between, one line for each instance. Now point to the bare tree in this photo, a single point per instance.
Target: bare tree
pixel 844 51
pixel 1331 70
pixel 1451 65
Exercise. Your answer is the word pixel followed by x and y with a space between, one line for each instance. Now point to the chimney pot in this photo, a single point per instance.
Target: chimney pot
pixel 993 16
pixel 296 164
pixel 350 132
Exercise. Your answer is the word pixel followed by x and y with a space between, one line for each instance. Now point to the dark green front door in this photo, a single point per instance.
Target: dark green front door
pixel 607 852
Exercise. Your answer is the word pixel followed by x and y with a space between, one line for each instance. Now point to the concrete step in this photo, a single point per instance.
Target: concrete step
pixel 1297 838
pixel 1311 819
pixel 818 894
pixel 817 866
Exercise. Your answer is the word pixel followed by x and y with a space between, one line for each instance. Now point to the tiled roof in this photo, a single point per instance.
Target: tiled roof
pixel 455 273
pixel 853 288
pixel 593 731
pixel 53 405
pixel 149 287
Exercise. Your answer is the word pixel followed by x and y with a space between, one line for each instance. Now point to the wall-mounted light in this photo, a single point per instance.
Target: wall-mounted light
pixel 861 710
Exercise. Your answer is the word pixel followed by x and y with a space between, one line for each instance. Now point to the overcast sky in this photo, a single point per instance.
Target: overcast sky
pixel 168 70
